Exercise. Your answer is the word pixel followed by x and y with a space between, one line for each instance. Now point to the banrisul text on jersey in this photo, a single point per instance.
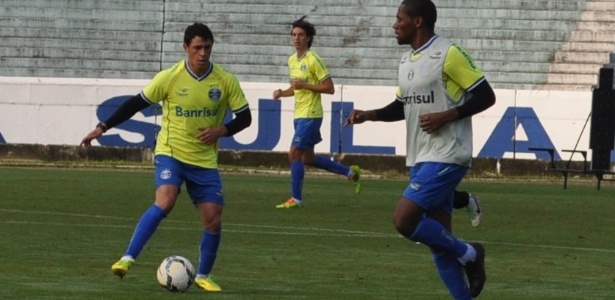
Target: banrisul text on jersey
pixel 419 98
pixel 195 113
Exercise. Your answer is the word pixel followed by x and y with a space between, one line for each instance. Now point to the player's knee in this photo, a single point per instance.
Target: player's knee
pixel 402 226
pixel 165 203
pixel 213 224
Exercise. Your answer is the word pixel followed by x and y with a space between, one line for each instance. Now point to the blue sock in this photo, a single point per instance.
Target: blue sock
pixel 452 274
pixel 145 229
pixel 324 163
pixel 433 234
pixel 297 172
pixel 209 250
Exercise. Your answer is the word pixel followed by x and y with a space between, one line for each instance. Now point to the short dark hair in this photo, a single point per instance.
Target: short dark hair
pixel 422 8
pixel 200 30
pixel 308 27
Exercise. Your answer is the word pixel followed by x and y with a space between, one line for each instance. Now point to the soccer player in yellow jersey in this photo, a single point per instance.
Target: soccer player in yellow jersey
pixel 309 77
pixel 439 88
pixel 194 94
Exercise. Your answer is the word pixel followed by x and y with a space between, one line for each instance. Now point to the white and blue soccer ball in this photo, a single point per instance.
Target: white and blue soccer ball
pixel 176 273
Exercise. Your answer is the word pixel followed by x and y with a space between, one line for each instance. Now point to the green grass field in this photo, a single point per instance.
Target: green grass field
pixel 63 228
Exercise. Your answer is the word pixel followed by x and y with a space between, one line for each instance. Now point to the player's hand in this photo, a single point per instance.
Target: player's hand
pixel 277 94
pixel 355 117
pixel 209 136
pixel 297 83
pixel 433 121
pixel 94 134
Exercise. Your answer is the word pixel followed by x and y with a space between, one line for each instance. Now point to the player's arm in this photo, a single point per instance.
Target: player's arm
pixel 394 111
pixel 324 87
pixel 242 120
pixel 279 93
pixel 465 77
pixel 128 109
pixel 482 97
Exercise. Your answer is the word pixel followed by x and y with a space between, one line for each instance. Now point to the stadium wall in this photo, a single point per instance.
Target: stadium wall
pixel 60 111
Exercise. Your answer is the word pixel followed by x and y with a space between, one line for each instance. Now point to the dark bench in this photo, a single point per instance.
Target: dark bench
pixel 566 170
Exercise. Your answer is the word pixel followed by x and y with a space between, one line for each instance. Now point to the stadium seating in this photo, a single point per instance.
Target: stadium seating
pixel 521 44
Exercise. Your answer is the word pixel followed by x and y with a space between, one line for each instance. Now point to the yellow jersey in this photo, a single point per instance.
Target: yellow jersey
pixel 311 69
pixel 188 103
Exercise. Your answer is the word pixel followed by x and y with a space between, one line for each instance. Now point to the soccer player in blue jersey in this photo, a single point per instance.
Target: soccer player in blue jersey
pixel 309 78
pixel 195 94
pixel 439 88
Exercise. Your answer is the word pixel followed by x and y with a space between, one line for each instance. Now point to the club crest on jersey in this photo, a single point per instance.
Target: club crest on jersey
pixel 183 92
pixel 303 68
pixel 215 94
pixel 410 74
pixel 165 174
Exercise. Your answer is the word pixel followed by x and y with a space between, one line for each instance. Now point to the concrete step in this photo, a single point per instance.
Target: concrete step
pixel 84 45
pixel 568 68
pixel 596 26
pixel 145 26
pixel 560 5
pixel 581 58
pixel 27 71
pixel 75 33
pixel 107 14
pixel 84 64
pixel 588 47
pixel 592 36
pixel 120 5
pixel 511 56
pixel 72 53
pixel 505 34
pixel 577 79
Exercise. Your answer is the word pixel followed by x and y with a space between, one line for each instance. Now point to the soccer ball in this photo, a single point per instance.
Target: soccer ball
pixel 175 273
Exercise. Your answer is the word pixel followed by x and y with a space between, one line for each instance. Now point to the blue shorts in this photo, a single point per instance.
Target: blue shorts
pixel 307 133
pixel 432 185
pixel 203 185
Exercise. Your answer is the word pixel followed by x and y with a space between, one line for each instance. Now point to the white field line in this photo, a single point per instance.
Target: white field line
pixel 277 230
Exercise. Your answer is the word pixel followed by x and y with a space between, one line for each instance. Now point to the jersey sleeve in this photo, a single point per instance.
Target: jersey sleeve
pixel 319 68
pixel 237 100
pixel 155 91
pixel 461 69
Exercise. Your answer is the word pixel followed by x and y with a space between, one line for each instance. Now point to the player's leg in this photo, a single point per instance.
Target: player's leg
pixel 461 199
pixel 297 170
pixel 471 203
pixel 205 189
pixel 311 137
pixel 430 192
pixel 211 214
pixel 473 208
pixel 297 174
pixel 168 180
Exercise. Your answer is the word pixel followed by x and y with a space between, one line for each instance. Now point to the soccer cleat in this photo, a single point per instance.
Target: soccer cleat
pixel 290 203
pixel 356 178
pixel 208 284
pixel 475 271
pixel 121 267
pixel 474 211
